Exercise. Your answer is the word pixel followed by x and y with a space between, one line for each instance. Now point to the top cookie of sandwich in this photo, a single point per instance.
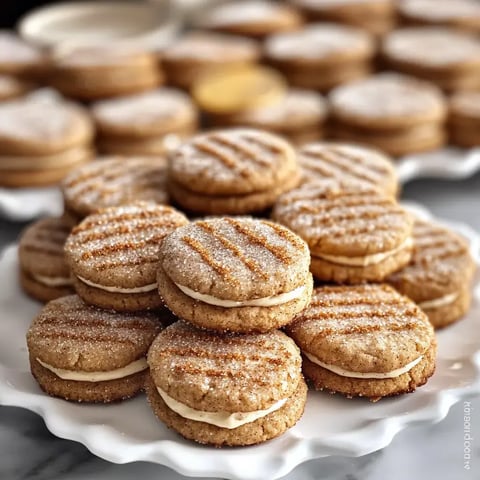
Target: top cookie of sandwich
pixel 34 127
pixel 387 100
pixel 18 57
pixel 233 161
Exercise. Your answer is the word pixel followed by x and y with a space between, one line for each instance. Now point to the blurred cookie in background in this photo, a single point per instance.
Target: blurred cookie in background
pixel 464 119
pixel 13 87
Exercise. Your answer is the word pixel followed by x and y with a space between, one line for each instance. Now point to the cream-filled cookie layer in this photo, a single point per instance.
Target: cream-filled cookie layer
pixel 256 302
pixel 439 302
pixel 146 288
pixel 130 369
pixel 367 259
pixel 53 281
pixel 373 375
pixel 219 419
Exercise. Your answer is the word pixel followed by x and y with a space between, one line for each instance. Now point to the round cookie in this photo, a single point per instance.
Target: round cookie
pixel 20 58
pixel 443 56
pixel 93 72
pixel 113 255
pixel 113 181
pixel 232 171
pixel 225 390
pixel 13 87
pixel 234 274
pixel 44 274
pixel 439 275
pixel 251 18
pixel 366 341
pixel 320 161
pixel 198 53
pixel 464 120
pixel 461 14
pixel 355 233
pixel 84 354
pixel 299 116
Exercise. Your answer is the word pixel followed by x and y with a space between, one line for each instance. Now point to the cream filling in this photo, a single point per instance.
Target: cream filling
pixel 367 259
pixel 219 419
pixel 257 302
pixel 145 288
pixel 346 373
pixel 439 302
pixel 53 281
pixel 130 369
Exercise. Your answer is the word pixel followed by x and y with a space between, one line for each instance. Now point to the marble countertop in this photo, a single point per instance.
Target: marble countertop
pixel 29 452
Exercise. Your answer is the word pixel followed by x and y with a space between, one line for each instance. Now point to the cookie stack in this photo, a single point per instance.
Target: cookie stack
pixel 464 119
pixel 232 171
pixel 393 112
pixel 321 56
pixel 237 380
pixel 199 53
pixel 90 73
pixel 375 16
pixel 41 141
pixel 91 347
pixel 448 58
pixel 144 124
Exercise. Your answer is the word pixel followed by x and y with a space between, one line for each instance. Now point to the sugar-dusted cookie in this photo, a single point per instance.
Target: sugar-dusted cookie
pixel 225 389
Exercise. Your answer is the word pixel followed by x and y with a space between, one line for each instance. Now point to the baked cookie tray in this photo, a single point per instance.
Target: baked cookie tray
pixel 449 163
pixel 332 425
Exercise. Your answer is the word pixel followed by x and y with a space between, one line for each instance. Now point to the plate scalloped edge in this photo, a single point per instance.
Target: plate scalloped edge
pixel 265 461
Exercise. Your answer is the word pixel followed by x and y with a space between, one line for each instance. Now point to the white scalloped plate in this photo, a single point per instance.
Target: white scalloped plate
pixel 332 424
pixel 448 163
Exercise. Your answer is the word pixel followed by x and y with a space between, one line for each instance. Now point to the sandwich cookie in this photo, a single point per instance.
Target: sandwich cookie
pixel 344 162
pixel 393 112
pixel 321 56
pixel 439 276
pixel 113 255
pixel 135 124
pixel 355 233
pixel 298 115
pixel 374 16
pixel 225 390
pixel 93 72
pixel 461 14
pixel 250 18
pixel 199 53
pixel 114 181
pixel 44 274
pixel 446 57
pixel 235 274
pixel 366 341
pixel 232 171
pixel 84 354
pixel 464 119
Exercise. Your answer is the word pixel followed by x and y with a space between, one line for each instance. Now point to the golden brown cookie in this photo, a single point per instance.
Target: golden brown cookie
pixel 225 389
pixel 232 171
pixel 198 53
pixel 44 274
pixel 299 116
pixel 393 112
pixel 91 73
pixel 113 255
pixel 375 16
pixel 113 181
pixel 464 119
pixel 341 161
pixel 84 354
pixel 321 56
pixel 237 274
pixel 439 276
pixel 366 341
pixel 12 87
pixel 461 14
pixel 355 233
pixel 252 18
pixel 161 117
pixel 443 56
